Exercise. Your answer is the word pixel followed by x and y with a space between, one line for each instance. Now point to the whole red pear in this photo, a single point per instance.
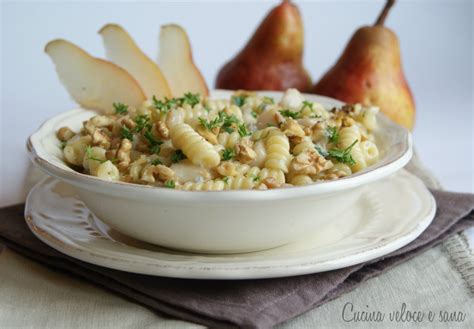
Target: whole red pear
pixel 370 72
pixel 273 57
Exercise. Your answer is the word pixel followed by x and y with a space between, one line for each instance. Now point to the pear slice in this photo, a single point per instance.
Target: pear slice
pixel 123 51
pixel 176 62
pixel 92 82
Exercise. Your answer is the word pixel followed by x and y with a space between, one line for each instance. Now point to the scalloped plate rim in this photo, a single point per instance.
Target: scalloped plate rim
pixel 216 270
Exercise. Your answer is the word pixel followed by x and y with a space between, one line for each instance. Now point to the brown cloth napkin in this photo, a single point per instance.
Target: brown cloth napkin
pixel 238 303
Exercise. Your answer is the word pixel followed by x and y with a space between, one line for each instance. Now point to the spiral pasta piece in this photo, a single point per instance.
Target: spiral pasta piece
pixel 228 139
pixel 278 151
pixel 249 116
pixel 301 180
pixel 210 185
pixel 136 167
pixel 341 167
pixel 235 111
pixel 76 149
pixel 304 145
pixel 347 136
pixel 369 151
pixel 262 174
pixel 92 161
pixel 315 110
pixel 368 117
pixel 261 152
pixel 216 104
pixel 189 115
pixel 242 168
pixel 263 133
pixel 245 170
pixel 194 146
pixel 108 171
pixel 238 182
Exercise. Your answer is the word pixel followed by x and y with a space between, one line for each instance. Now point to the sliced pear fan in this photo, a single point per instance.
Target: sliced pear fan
pixel 123 51
pixel 92 82
pixel 176 62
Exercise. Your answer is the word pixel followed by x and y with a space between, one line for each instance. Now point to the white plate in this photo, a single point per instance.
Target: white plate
pixel 390 214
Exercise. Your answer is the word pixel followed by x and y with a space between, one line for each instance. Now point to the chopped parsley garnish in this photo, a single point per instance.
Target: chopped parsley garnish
pixel 289 114
pixel 266 101
pixel 156 162
pixel 223 120
pixel 126 133
pixel 154 143
pixel 226 179
pixel 190 98
pixel 161 106
pixel 332 134
pixel 239 100
pixel 164 106
pixel 343 156
pixel 90 156
pixel 228 154
pixel 210 125
pixel 150 138
pixel 243 131
pixel 178 156
pixel 155 149
pixel 228 121
pixel 172 102
pixel 254 114
pixel 170 183
pixel 63 145
pixel 307 104
pixel 143 122
pixel 256 178
pixel 228 129
pixel 120 108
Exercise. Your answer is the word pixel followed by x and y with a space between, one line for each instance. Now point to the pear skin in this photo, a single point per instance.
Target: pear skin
pixel 370 72
pixel 272 59
pixel 93 83
pixel 176 61
pixel 122 50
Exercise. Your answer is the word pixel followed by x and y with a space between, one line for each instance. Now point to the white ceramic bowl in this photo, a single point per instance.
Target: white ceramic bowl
pixel 224 221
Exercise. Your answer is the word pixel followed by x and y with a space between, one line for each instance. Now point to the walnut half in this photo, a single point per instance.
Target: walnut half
pixel 245 153
pixel 151 173
pixel 123 154
pixel 64 134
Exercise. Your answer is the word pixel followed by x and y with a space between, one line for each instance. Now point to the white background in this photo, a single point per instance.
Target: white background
pixel 436 41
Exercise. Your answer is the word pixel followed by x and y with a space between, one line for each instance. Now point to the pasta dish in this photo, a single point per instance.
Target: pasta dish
pixel 246 142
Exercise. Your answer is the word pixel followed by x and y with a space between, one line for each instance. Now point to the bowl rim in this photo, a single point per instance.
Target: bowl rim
pixel 121 189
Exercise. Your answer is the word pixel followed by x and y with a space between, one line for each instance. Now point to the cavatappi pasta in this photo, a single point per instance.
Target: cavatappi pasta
pixel 246 142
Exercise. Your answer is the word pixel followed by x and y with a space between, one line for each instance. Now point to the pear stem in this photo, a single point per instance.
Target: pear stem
pixel 384 13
